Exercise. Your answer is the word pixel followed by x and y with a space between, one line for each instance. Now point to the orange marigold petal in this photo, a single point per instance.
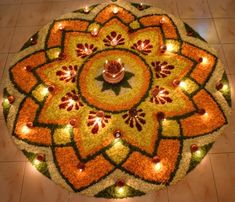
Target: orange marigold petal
pixel 56 34
pixel 203 69
pixel 168 27
pixel 23 78
pixel 35 134
pixel 143 166
pixel 107 13
pixel 93 171
pixel 197 124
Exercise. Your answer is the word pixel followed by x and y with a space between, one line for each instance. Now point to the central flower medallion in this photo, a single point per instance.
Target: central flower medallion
pixel 105 83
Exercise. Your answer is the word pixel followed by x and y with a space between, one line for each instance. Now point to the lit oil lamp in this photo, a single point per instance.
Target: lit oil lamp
pixel 162 21
pixel 114 71
pixel 94 32
pixel 115 10
pixel 60 27
pixel 86 9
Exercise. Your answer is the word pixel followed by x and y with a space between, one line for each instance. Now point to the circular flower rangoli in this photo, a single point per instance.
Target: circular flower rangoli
pixel 116 100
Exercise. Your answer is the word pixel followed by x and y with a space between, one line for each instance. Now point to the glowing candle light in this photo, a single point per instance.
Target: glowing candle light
pixel 117 134
pixel 86 9
pixel 94 32
pixel 141 7
pixel 194 148
pixel 25 129
pixel 27 68
pixel 225 87
pixel 6 102
pixel 36 162
pixel 162 21
pixel 203 60
pixel 44 91
pixel 142 46
pixel 81 167
pixel 157 163
pixel 33 40
pixel 120 186
pixel 170 47
pixel 60 27
pixel 120 190
pixel 183 84
pixel 114 42
pixel 115 10
pixel 158 166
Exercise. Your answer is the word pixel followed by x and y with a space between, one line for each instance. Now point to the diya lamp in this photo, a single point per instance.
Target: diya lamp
pixel 94 32
pixel 114 71
pixel 86 9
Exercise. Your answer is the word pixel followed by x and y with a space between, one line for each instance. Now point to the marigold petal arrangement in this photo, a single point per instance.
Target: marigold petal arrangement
pixel 116 100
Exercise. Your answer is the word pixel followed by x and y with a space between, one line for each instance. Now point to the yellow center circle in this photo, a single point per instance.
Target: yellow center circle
pixel 92 91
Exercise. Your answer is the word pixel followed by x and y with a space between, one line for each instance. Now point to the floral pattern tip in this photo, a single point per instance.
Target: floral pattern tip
pixel 97 120
pixel 163 69
pixel 135 118
pixel 114 39
pixel 68 73
pixel 71 101
pixel 84 50
pixel 143 47
pixel 160 96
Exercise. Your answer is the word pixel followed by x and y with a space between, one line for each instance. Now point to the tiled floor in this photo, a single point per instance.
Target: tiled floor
pixel 213 180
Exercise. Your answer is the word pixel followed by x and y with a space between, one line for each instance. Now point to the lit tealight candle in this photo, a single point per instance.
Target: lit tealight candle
pixel 28 68
pixel 117 134
pixel 115 10
pixel 44 91
pixel 86 9
pixel 170 47
pixel 142 46
pixel 36 162
pixel 203 60
pixel 33 40
pixel 25 129
pixel 81 167
pixel 163 48
pixel 60 27
pixel 94 32
pixel 162 21
pixel 157 163
pixel 6 102
pixel 120 184
pixel 195 149
pixel 183 85
pixel 225 87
